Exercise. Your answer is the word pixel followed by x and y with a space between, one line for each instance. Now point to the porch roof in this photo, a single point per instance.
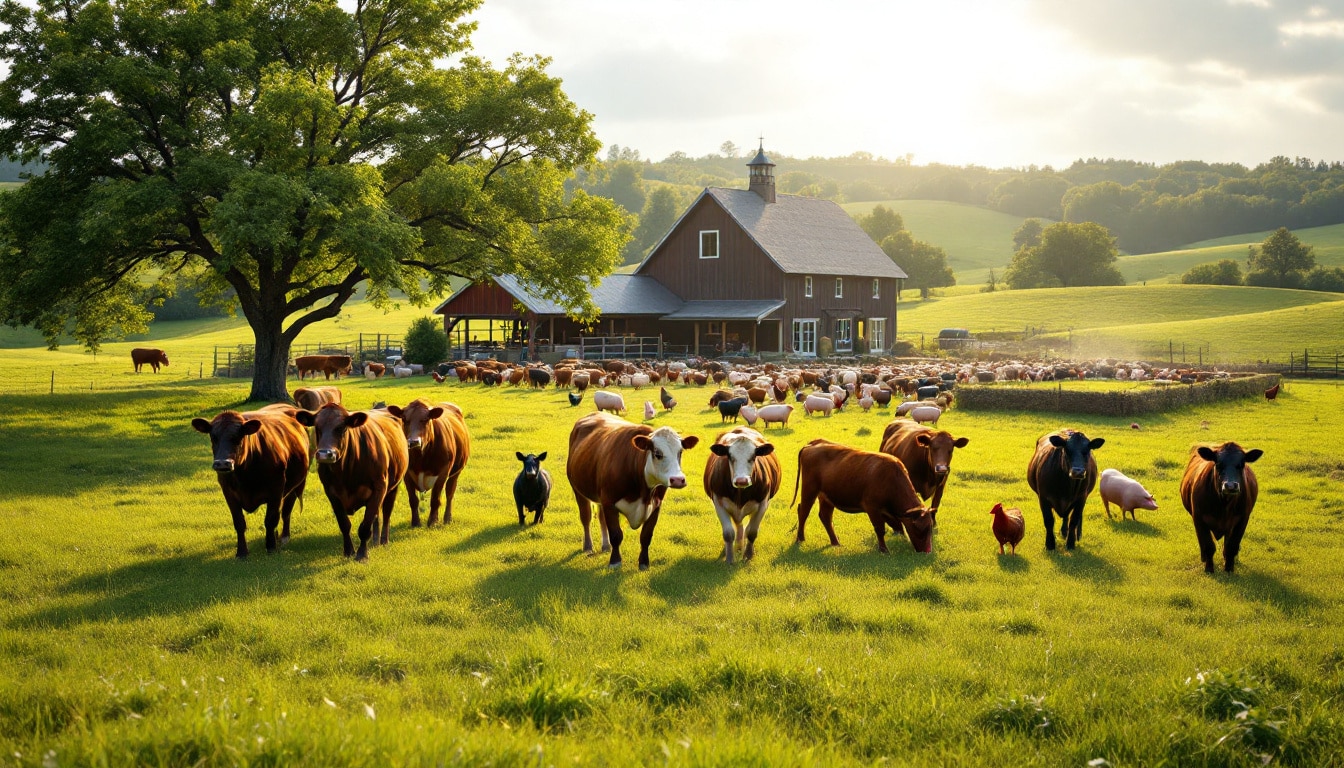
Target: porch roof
pixel 734 309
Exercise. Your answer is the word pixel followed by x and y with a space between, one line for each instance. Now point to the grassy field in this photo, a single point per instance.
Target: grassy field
pixel 1168 266
pixel 129 635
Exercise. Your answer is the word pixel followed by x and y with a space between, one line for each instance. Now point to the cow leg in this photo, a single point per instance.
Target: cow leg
pixel 239 527
pixel 585 518
pixel 414 498
pixel 343 522
pixel 611 531
pixel 752 528
pixel 646 538
pixel 937 501
pixel 805 509
pixel 729 530
pixel 825 513
pixel 445 487
pixel 605 527
pixel 286 510
pixel 880 528
pixel 1072 525
pixel 272 521
pixel 1232 544
pixel 389 501
pixel 522 520
pixel 1207 547
pixel 1048 516
pixel 368 528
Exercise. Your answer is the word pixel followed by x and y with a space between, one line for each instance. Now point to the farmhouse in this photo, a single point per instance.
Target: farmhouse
pixel 742 270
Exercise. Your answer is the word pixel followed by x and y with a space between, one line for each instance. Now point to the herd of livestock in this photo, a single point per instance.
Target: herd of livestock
pixel 625 469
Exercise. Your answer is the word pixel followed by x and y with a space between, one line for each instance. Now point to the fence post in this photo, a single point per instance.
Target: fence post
pixel 1171 353
pixel 53 382
pixel 1306 363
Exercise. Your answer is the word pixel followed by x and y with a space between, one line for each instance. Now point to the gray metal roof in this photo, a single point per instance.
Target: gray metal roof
pixel 806 235
pixel 726 310
pixel 760 159
pixel 617 294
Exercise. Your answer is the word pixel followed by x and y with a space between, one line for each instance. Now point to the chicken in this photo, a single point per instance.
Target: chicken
pixel 669 402
pixel 437 378
pixel 1272 392
pixel 575 399
pixel 1009 526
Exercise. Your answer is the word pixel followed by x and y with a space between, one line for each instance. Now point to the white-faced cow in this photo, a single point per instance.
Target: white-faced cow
pixel 742 475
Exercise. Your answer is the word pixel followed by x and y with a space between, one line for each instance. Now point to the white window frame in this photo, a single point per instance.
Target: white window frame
pixel 845 343
pixel 877 288
pixel 816 335
pixel 807 287
pixel 877 334
pixel 717 243
pixel 839 287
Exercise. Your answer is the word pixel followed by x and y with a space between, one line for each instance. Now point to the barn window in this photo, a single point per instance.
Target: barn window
pixel 709 243
pixel 839 287
pixel 807 287
pixel 877 288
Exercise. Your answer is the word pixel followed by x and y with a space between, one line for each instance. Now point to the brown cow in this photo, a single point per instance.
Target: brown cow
pixel 926 454
pixel 146 356
pixel 853 480
pixel 439 447
pixel 361 457
pixel 1062 473
pixel 1219 491
pixel 378 369
pixel 742 476
pixel 327 365
pixel 313 398
pixel 626 469
pixel 261 457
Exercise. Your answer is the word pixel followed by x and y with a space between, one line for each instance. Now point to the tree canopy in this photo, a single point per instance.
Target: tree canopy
pixel 1068 255
pixel 292 151
pixel 1281 261
pixel 1224 272
pixel 881 223
pixel 925 263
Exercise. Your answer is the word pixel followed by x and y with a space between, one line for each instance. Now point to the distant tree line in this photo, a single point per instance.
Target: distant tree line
pixel 1281 261
pixel 925 263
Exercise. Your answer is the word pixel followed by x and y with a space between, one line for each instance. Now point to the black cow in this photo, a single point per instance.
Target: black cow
pixel 1063 473
pixel 532 487
pixel 729 409
pixel 538 377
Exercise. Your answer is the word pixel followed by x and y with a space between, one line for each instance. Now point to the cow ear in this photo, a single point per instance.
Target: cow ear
pixel 306 418
pixel 690 442
pixel 961 442
pixel 1253 454
pixel 201 425
pixel 1206 453
pixel 913 514
pixel 541 456
pixel 395 410
pixel 251 427
pixel 1096 443
pixel 765 450
pixel 435 413
pixel 356 419
pixel 520 455
pixel 1058 441
pixel 923 440
pixel 642 442
pixel 718 449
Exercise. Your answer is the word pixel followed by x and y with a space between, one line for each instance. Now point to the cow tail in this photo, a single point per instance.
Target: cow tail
pixel 797 478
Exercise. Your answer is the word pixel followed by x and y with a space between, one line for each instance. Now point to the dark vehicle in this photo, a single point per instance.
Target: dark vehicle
pixel 955 338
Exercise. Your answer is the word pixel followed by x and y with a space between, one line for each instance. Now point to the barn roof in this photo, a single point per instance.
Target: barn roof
pixel 617 294
pixel 805 235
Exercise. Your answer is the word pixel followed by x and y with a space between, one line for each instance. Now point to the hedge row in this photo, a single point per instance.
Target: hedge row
pixel 1126 402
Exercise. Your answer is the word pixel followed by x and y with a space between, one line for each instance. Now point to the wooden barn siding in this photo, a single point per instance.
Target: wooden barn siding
pixel 742 271
pixel 480 300
pixel 825 307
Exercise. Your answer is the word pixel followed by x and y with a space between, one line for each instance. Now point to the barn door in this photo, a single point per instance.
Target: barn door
pixel 805 337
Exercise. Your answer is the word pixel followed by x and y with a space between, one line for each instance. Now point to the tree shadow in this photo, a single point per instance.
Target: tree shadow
pixel 1014 563
pixel 1133 528
pixel 1260 587
pixel 528 588
pixel 1083 564
pixel 481 538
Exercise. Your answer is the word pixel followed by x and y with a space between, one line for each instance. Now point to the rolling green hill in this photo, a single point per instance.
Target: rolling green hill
pixel 1168 266
pixel 976 239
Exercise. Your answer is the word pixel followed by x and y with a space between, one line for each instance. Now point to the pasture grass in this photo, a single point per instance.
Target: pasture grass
pixel 1168 266
pixel 129 635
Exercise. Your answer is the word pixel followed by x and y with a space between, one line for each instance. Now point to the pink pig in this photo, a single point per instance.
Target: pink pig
pixel 1125 493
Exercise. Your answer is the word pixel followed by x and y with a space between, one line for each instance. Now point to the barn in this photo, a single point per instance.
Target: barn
pixel 742 271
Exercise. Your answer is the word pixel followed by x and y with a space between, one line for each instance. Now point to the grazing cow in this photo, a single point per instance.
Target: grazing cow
pixel 563 377
pixel 532 487
pixel 327 365
pixel 742 475
pixel 1219 491
pixel 151 357
pixel 1062 473
pixel 538 378
pixel 374 370
pixel 261 457
pixel 361 457
pixel 609 401
pixel 927 456
pixel 313 398
pixel 758 395
pixel 853 480
pixel 1126 493
pixel 729 409
pixel 625 469
pixel 439 445
pixel 580 380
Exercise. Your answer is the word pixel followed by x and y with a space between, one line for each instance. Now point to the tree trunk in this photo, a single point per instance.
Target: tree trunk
pixel 271 371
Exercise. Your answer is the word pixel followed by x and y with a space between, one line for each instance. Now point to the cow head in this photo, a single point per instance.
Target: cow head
pixel 918 525
pixel 163 358
pixel 415 419
pixel 1229 461
pixel 662 462
pixel 741 451
pixel 939 446
pixel 1077 451
pixel 531 463
pixel 330 426
pixel 227 434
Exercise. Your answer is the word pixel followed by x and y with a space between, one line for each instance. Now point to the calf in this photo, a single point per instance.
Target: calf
pixel 532 487
pixel 438 445
pixel 1219 491
pixel 1063 473
pixel 146 356
pixel 742 475
pixel 927 456
pixel 361 457
pixel 625 469
pixel 852 480
pixel 260 457
pixel 313 398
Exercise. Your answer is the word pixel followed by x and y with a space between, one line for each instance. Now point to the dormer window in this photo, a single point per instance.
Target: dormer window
pixel 877 288
pixel 839 287
pixel 807 287
pixel 709 243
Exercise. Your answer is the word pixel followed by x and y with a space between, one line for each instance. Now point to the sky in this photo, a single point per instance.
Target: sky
pixel 999 83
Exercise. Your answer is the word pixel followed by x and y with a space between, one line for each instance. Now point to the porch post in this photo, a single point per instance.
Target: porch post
pixel 756 350
pixel 697 338
pixel 531 336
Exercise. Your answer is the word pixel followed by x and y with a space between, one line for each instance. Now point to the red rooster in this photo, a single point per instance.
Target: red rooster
pixel 1009 526
pixel 1272 392
pixel 437 378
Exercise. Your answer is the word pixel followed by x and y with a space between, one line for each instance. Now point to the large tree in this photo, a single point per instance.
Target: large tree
pixel 925 263
pixel 1067 255
pixel 1281 261
pixel 881 223
pixel 293 151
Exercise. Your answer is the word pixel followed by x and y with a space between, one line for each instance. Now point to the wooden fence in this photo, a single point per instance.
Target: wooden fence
pixel 237 361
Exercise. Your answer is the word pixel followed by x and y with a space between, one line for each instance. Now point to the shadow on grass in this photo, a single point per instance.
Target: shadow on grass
pixel 529 589
pixel 481 538
pixel 859 558
pixel 1259 587
pixel 1014 563
pixel 1083 564
pixel 1133 528
pixel 691 580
